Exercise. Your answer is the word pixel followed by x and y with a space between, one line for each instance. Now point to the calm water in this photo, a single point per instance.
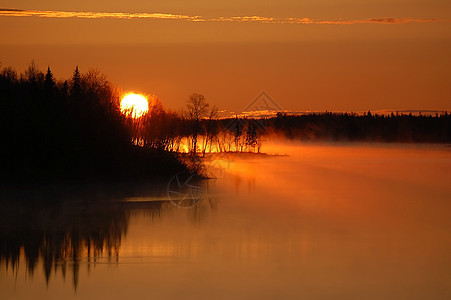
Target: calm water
pixel 325 222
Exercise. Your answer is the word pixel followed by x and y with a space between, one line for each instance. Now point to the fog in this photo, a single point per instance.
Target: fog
pixel 323 221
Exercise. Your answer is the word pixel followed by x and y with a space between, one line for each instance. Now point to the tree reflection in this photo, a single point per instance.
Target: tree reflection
pixel 46 227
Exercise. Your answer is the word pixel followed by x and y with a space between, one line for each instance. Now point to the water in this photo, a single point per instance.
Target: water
pixel 328 221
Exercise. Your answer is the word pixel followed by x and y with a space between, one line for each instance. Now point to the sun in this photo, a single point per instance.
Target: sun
pixel 134 105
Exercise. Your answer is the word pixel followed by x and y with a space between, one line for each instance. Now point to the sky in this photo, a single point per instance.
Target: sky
pixel 336 55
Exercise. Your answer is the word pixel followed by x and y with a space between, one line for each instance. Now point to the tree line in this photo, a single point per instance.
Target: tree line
pixel 196 129
pixel 200 130
pixel 350 127
pixel 74 129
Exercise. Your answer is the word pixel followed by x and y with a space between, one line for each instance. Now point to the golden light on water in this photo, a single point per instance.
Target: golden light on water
pixel 134 105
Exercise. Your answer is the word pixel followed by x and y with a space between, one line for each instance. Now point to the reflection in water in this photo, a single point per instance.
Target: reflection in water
pixel 59 235
pixel 326 222
pixel 70 228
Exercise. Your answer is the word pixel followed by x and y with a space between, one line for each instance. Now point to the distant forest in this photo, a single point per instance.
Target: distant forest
pixel 401 128
pixel 74 129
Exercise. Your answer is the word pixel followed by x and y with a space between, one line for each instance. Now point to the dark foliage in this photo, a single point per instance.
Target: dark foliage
pixel 71 129
pixel 369 127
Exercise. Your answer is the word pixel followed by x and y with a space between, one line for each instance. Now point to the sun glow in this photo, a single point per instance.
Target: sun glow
pixel 134 105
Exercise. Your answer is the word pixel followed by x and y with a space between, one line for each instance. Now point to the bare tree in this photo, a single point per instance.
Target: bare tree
pixel 197 108
pixel 210 130
pixel 32 74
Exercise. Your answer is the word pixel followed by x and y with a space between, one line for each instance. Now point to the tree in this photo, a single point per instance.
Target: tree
pixel 32 74
pixel 237 134
pixel 75 89
pixel 8 76
pixel 153 125
pixel 210 128
pixel 63 91
pixel 251 137
pixel 197 108
pixel 49 84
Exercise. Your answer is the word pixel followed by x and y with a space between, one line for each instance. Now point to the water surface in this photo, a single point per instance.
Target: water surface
pixel 356 221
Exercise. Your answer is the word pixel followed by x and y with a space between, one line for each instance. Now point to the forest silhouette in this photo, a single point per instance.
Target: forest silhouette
pixel 73 129
pixel 352 127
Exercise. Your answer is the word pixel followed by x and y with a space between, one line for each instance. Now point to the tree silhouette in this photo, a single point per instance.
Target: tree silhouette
pixel 75 87
pixel 237 134
pixel 70 129
pixel 251 137
pixel 210 128
pixel 74 129
pixel 197 108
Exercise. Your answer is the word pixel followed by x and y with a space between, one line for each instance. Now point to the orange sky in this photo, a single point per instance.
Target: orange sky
pixel 307 55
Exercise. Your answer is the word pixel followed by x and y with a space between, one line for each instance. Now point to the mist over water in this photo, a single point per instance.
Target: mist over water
pixel 359 221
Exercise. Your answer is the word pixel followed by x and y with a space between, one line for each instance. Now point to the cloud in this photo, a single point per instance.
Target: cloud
pixel 5 12
pixel 11 12
pixel 397 21
pixel 10 9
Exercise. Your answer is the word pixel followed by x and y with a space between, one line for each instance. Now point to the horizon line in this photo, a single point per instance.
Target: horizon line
pixel 273 113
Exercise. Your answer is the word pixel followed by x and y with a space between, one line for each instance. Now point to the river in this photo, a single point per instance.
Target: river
pixel 316 221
